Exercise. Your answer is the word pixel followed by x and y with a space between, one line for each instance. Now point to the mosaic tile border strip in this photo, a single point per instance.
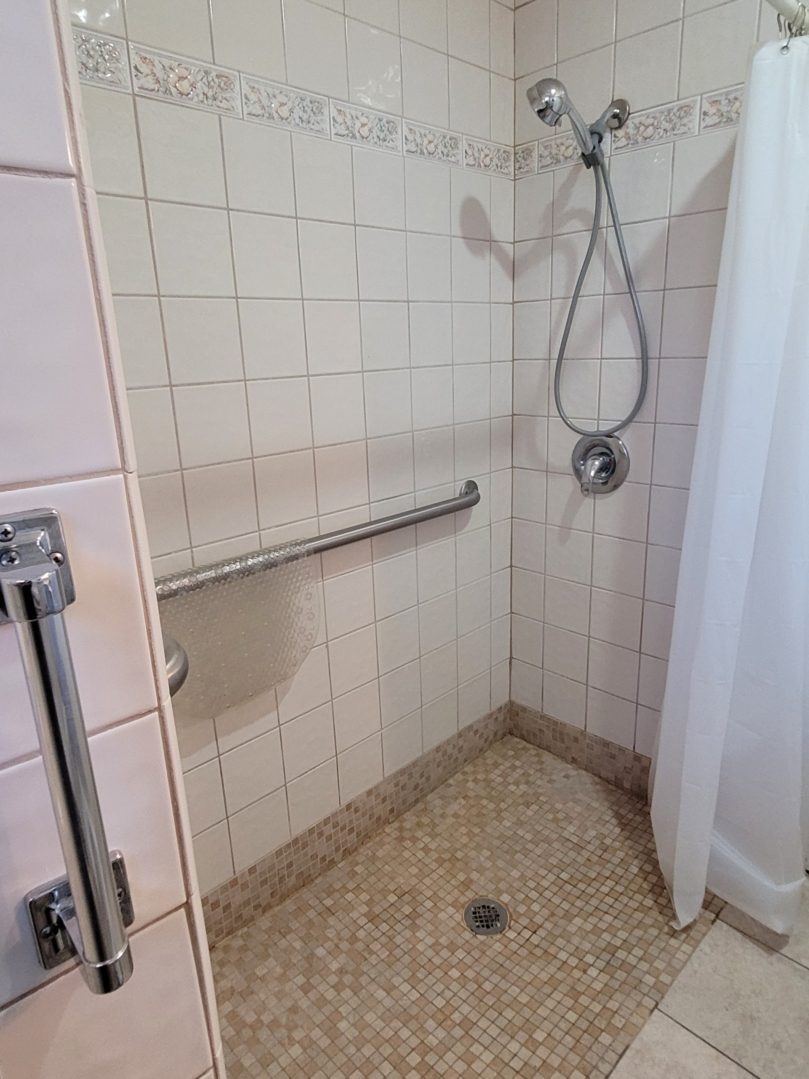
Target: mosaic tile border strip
pixel 622 767
pixel 104 60
pixel 241 900
pixel 664 123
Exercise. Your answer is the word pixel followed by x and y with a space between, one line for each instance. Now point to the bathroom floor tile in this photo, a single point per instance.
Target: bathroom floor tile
pixel 749 1002
pixel 795 947
pixel 370 970
pixel 663 1045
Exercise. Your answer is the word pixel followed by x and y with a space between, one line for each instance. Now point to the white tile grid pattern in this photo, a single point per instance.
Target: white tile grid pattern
pixel 594 581
pixel 82 465
pixel 390 292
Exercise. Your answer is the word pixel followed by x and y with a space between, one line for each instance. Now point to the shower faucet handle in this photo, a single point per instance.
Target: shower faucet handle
pixel 597 469
pixel 600 463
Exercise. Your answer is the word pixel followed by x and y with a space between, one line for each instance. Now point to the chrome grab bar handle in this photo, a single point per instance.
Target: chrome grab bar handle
pixel 176 584
pixel 468 496
pixel 35 588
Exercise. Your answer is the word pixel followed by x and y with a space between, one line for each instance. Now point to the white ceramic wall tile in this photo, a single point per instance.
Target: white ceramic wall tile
pixel 424 21
pixel 98 1031
pixel 249 37
pixel 285 488
pixel 34 134
pixel 425 84
pixel 328 261
pixel 360 768
pixel 107 594
pixel 310 33
pixel 252 153
pixel 142 826
pixel 584 25
pixel 258 829
pixel 61 355
pixel 313 796
pixel 716 46
pixel 374 67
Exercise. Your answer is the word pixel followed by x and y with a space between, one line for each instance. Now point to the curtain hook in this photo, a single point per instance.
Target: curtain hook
pixel 794 27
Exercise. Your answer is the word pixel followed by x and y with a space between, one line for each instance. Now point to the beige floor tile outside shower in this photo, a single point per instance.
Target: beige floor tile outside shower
pixel 746 1000
pixel 794 947
pixel 665 1050
pixel 370 970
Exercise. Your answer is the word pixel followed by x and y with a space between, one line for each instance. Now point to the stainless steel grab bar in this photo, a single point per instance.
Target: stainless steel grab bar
pixel 83 914
pixel 177 584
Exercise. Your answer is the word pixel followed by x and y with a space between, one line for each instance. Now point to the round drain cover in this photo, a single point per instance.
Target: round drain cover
pixel 486 917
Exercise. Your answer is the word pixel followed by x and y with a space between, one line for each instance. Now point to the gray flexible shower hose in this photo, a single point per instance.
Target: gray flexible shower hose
pixel 601 176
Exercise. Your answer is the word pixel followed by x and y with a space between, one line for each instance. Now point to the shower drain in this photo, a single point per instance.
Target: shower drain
pixel 486 917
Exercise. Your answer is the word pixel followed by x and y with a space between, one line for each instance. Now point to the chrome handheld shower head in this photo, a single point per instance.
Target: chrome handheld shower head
pixel 549 100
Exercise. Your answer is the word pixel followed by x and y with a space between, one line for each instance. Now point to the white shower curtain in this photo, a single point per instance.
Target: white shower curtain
pixel 731 799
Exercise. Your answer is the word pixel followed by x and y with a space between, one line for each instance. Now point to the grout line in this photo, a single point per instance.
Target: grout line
pixel 699 1037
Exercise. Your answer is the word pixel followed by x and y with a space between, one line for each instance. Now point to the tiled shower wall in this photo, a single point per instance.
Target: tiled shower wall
pixel 308 213
pixel 594 579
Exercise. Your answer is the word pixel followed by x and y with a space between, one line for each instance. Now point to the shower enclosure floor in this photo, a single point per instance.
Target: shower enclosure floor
pixel 371 971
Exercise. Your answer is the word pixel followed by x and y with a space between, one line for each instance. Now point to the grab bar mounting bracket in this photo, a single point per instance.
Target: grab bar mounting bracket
pixel 51 912
pixel 33 544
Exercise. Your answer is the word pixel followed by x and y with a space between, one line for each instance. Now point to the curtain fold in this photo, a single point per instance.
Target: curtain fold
pixel 729 806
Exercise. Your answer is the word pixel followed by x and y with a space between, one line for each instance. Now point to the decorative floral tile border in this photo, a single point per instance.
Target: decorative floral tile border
pixel 722 108
pixel 274 103
pixel 188 82
pixel 557 151
pixel 432 144
pixel 662 124
pixel 488 157
pixel 102 60
pixel 365 127
pixel 525 160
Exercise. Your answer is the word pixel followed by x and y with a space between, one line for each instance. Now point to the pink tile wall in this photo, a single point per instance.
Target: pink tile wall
pixel 68 446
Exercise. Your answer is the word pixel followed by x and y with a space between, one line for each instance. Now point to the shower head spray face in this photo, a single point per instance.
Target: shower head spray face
pixel 549 100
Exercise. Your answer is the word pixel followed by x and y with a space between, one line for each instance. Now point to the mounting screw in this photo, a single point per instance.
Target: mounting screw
pixel 9 558
pixel 7 532
pixel 58 558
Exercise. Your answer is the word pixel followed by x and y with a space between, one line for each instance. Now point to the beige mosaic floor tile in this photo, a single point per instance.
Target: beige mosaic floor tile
pixel 370 971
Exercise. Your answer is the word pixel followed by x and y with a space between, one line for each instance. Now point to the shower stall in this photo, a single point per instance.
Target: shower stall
pixel 339 558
